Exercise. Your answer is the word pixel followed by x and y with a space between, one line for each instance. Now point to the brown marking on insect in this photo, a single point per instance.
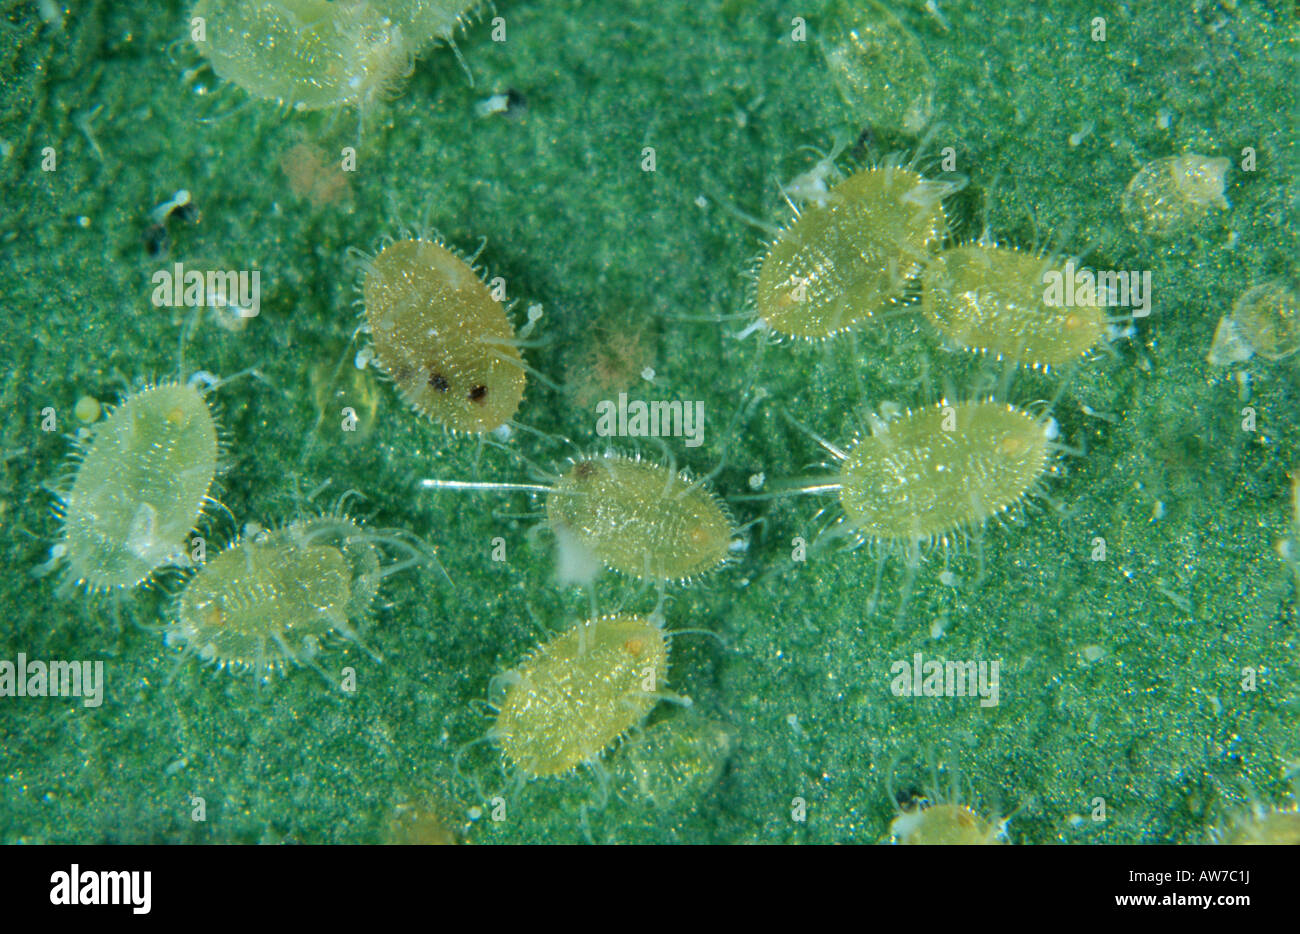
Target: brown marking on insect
pixel 430 314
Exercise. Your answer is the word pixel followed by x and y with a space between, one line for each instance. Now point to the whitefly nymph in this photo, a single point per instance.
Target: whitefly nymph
pixel 847 257
pixel 142 481
pixel 634 516
pixel 442 336
pixel 276 598
pixel 932 475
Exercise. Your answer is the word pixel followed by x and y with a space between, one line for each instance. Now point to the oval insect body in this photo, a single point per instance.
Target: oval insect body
pixel 878 66
pixel 1173 193
pixel 273 598
pixel 579 693
pixel 945 825
pixel 308 54
pixel 848 257
pixel 999 300
pixel 442 337
pixel 1268 318
pixel 630 515
pixel 141 487
pixel 640 518
pixel 943 467
pixel 673 762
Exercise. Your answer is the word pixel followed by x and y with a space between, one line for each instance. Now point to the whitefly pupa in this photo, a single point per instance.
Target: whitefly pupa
pixel 303 54
pixel 442 335
pixel 932 475
pixel 580 692
pixel 847 257
pixel 275 598
pixel 632 515
pixel 141 482
pixel 320 54
pixel 990 298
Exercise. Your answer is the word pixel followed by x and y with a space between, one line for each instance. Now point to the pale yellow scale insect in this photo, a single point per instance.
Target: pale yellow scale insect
pixel 994 299
pixel 442 337
pixel 141 486
pixel 631 515
pixel 848 257
pixel 579 693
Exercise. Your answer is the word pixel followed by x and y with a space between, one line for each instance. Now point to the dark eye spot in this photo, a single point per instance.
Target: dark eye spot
pixel 583 470
pixel 478 394
pixel 439 382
